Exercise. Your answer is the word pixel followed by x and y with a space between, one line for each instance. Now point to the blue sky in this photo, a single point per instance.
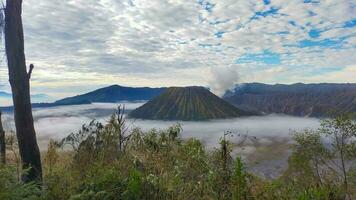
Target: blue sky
pixel 80 45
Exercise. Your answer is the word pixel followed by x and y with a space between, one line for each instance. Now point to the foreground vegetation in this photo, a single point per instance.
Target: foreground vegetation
pixel 111 162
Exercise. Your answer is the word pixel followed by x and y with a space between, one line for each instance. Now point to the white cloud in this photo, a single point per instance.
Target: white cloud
pixel 77 45
pixel 345 75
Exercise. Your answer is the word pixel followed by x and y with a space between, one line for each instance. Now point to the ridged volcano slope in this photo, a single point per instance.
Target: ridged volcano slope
pixel 187 104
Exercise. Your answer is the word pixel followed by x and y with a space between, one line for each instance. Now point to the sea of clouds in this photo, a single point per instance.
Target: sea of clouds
pixel 58 122
pixel 266 149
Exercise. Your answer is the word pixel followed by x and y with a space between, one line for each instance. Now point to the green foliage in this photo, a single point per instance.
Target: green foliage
pixel 341 132
pixel 159 164
pixel 134 186
pixel 12 189
pixel 308 156
pixel 239 180
pixel 321 163
pixel 101 182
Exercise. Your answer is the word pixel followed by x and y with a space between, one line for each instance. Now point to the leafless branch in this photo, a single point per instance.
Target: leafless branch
pixel 30 71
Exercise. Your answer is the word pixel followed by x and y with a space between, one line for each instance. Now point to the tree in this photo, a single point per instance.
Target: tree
pixel 20 86
pixel 341 131
pixel 323 157
pixel 2 144
pixel 309 147
pixel 239 179
pixel 117 126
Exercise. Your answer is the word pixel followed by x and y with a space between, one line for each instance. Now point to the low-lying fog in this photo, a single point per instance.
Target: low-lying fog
pixel 57 122
pixel 269 135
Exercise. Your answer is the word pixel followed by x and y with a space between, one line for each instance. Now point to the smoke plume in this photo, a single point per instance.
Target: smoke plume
pixel 223 79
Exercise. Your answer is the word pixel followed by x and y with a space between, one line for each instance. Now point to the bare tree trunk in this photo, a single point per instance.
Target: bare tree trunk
pixel 2 144
pixel 20 85
pixel 344 173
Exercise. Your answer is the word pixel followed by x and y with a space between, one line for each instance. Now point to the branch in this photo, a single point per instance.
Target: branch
pixel 30 71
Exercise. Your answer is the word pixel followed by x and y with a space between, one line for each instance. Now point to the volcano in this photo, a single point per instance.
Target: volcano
pixel 187 104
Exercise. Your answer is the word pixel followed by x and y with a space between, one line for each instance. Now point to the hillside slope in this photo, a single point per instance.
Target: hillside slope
pixel 113 94
pixel 187 104
pixel 313 100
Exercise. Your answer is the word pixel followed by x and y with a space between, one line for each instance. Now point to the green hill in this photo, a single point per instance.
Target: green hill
pixel 187 104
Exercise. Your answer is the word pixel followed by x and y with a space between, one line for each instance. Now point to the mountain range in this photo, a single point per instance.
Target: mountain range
pixel 310 100
pixel 187 104
pixel 314 100
pixel 113 94
pixel 5 94
pixel 37 98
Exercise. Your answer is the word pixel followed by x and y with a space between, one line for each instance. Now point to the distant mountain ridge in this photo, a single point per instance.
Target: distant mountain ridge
pixel 5 94
pixel 110 94
pixel 187 104
pixel 37 98
pixel 114 94
pixel 313 100
pixel 307 100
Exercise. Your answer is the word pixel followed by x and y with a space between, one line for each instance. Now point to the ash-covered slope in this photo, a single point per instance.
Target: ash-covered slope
pixel 187 104
pixel 312 100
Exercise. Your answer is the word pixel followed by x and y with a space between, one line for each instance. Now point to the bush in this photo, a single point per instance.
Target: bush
pixel 159 164
pixel 12 189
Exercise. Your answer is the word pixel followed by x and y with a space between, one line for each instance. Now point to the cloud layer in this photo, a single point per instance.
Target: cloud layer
pixel 58 122
pixel 265 132
pixel 78 45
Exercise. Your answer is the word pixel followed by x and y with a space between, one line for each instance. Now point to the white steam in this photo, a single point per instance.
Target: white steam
pixel 223 79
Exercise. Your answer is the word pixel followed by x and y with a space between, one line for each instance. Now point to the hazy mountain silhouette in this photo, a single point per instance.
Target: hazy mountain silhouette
pixel 34 97
pixel 5 94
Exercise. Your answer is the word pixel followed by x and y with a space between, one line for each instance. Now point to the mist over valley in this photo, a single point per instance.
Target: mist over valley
pixel 266 150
